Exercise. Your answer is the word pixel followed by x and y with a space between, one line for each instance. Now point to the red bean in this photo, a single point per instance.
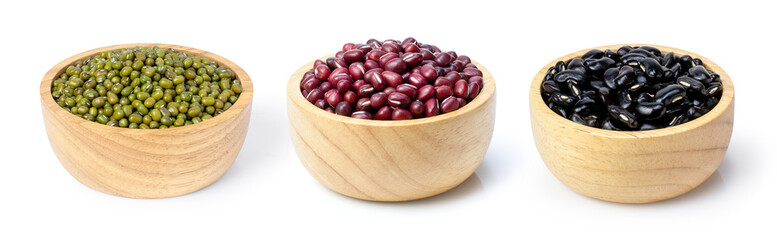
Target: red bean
pixel 315 95
pixel 453 76
pixel 443 59
pixel 340 63
pixel 363 104
pixel 417 80
pixel 348 46
pixel 383 113
pixel 412 48
pixel 353 55
pixel 476 79
pixel 321 103
pixel 395 65
pixel 428 72
pixel 332 97
pixel 357 70
pixel 371 64
pixel 427 54
pixel 443 92
pixel 432 107
pixel 408 90
pixel 398 100
pixel 343 108
pixel 449 105
pixel 365 90
pixel 376 79
pixel 443 81
pixel 401 114
pixel 378 100
pixel 322 72
pixel 417 108
pixel 412 59
pixel 385 58
pixel 350 97
pixel 473 90
pixel 361 115
pixel 343 86
pixel 471 72
pixel 375 55
pixel 311 84
pixel 325 86
pixel 461 89
pixel 392 79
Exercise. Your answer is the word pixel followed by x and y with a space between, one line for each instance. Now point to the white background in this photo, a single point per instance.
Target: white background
pixel 267 194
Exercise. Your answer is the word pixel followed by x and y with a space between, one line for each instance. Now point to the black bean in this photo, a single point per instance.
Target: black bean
pixel 625 76
pixel 652 50
pixel 624 50
pixel 586 107
pixel 574 89
pixel 713 90
pixel 700 73
pixel 632 59
pixel 577 64
pixel 562 99
pixel 686 62
pixel 609 77
pixel 670 94
pixel 622 116
pixel 612 55
pixel 692 86
pixel 647 126
pixel 650 110
pixel 596 84
pixel 600 64
pixel 624 99
pixel 568 74
pixel 644 97
pixel 550 87
pixel 590 121
pixel 604 96
pixel 634 88
pixel 668 59
pixel 610 125
pixel 593 53
pixel 651 67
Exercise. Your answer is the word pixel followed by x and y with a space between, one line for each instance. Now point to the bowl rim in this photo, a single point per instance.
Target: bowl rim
pixel 726 100
pixel 295 95
pixel 241 104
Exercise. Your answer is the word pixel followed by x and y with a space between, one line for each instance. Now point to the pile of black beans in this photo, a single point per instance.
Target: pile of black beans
pixel 633 88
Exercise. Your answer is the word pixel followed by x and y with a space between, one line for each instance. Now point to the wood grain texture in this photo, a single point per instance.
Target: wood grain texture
pixel 638 166
pixel 391 160
pixel 146 163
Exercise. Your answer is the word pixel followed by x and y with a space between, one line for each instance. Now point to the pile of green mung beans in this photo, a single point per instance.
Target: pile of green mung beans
pixel 147 88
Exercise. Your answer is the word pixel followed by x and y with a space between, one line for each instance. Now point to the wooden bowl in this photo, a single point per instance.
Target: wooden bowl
pixel 391 160
pixel 633 166
pixel 146 163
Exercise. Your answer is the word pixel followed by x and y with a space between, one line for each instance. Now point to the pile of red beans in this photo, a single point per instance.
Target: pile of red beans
pixel 392 80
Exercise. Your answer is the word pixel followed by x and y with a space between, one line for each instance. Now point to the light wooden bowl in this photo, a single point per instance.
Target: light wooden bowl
pixel 146 163
pixel 633 166
pixel 391 160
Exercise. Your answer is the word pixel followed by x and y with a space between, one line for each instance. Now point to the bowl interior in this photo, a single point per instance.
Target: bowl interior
pixel 725 101
pixel 242 102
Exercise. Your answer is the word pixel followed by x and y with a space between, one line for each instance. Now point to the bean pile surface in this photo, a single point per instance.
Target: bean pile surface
pixel 392 80
pixel 147 88
pixel 633 88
